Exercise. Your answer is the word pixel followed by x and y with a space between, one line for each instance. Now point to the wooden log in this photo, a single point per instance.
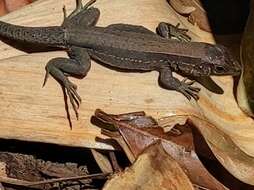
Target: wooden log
pixel 32 113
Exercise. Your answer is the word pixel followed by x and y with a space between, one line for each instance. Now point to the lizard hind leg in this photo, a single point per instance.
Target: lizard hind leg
pixel 79 7
pixel 82 16
pixel 59 68
pixel 170 31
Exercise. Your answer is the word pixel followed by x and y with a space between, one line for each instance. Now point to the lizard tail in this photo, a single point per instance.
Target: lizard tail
pixel 51 36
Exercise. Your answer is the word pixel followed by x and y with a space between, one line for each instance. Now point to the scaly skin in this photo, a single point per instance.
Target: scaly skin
pixel 123 46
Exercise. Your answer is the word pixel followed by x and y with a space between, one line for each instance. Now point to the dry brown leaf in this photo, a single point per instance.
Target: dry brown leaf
pixel 181 7
pixel 120 140
pixel 138 139
pixel 102 161
pixel 245 95
pixel 194 10
pixel 167 123
pixel 237 162
pixel 153 169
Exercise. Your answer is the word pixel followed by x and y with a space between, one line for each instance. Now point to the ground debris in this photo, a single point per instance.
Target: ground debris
pixel 22 168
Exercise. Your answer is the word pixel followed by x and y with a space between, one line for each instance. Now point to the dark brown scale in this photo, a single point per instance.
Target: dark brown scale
pixel 50 36
pixel 122 46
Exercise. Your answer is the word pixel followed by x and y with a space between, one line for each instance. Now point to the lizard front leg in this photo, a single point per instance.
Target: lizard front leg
pixel 167 81
pixel 78 64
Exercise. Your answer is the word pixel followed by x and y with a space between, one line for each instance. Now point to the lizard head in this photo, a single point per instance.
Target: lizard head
pixel 220 61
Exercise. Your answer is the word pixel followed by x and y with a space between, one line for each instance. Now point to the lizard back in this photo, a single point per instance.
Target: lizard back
pixel 101 39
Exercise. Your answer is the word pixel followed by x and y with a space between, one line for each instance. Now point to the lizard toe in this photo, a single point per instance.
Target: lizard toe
pixel 45 78
pixel 189 91
pixel 74 97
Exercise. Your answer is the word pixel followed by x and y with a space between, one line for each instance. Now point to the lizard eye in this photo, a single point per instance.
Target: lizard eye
pixel 219 69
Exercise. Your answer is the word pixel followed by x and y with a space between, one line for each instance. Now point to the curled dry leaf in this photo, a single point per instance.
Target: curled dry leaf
pixel 194 10
pixel 138 138
pixel 181 7
pixel 153 169
pixel 167 123
pixel 237 162
pixel 245 92
pixel 115 164
pixel 102 161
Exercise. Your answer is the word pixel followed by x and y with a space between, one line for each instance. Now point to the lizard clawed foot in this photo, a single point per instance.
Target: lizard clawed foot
pixel 79 7
pixel 187 90
pixel 45 78
pixel 179 33
pixel 71 90
pixel 75 99
pixel 168 30
pixel 88 4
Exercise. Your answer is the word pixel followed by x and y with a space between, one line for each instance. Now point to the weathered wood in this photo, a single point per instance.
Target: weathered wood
pixel 32 113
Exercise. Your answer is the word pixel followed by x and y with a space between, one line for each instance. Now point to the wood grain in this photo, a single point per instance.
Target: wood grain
pixel 32 113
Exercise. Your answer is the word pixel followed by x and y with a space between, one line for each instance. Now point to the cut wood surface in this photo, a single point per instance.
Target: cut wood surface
pixel 32 113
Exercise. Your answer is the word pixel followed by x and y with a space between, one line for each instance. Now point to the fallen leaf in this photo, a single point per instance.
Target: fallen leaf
pixel 153 169
pixel 181 7
pixel 245 95
pixel 194 11
pixel 102 161
pixel 237 162
pixel 137 139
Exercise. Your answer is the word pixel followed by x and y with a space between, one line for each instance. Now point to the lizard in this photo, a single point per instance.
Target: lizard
pixel 132 48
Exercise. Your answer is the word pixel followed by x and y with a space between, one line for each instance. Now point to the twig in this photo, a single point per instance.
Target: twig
pixel 200 187
pixel 18 182
pixel 114 162
pixel 13 181
pixel 92 176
